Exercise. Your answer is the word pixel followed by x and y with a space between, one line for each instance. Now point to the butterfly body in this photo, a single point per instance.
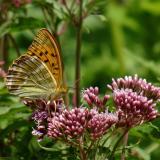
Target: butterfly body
pixel 38 73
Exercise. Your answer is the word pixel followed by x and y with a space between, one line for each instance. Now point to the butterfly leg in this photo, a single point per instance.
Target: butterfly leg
pixel 51 106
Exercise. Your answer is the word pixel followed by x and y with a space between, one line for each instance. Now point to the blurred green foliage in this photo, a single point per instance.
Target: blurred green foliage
pixel 119 38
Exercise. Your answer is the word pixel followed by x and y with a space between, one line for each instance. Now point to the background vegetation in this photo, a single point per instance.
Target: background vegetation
pixel 119 37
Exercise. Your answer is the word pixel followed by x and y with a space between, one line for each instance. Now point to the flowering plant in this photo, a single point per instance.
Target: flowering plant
pixel 97 124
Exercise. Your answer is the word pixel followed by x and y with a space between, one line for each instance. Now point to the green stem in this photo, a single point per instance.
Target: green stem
pixel 111 134
pixel 14 44
pixel 83 155
pixel 70 143
pixel 117 143
pixel 117 38
pixel 124 146
pixel 69 10
pixel 78 54
pixel 47 17
pixel 90 147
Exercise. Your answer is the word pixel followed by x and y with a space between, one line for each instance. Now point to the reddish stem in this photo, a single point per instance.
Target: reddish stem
pixel 78 54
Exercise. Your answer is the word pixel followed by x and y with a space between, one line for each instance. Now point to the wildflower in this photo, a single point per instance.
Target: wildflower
pixel 40 117
pixel 44 111
pixel 78 121
pixel 100 123
pixel 138 85
pixel 70 124
pixel 91 96
pixel 135 100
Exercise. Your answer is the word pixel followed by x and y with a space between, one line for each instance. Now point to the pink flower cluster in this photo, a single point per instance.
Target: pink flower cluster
pixel 133 109
pixel 80 121
pixel 91 96
pixel 44 110
pixel 99 123
pixel 69 123
pixel 134 100
pixel 139 85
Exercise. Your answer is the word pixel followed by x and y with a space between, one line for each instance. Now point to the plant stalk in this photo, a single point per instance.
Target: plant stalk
pixel 117 143
pixel 83 155
pixel 124 147
pixel 78 55
pixel 14 44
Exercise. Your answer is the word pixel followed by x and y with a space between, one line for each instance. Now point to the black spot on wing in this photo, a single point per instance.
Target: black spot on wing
pixel 46 61
pixel 41 53
pixel 53 55
pixel 56 68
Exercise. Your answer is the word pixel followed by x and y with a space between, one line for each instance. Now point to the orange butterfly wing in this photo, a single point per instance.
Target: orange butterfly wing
pixel 44 46
pixel 38 73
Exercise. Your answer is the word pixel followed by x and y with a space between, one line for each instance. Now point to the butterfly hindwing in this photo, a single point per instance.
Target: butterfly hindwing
pixel 28 77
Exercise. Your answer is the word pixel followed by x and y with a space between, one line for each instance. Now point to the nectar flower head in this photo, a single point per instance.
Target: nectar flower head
pixel 100 123
pixel 40 117
pixel 139 85
pixel 70 124
pixel 133 109
pixel 75 123
pixel 135 100
pixel 91 96
pixel 44 111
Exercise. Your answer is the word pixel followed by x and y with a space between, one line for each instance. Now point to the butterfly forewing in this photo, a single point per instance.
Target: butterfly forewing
pixel 38 73
pixel 45 48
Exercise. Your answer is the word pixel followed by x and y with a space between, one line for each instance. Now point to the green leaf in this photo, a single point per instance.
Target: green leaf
pixel 150 7
pixel 5 28
pixel 142 153
pixel 23 23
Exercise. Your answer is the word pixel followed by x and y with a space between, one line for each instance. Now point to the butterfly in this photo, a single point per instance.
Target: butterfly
pixel 38 74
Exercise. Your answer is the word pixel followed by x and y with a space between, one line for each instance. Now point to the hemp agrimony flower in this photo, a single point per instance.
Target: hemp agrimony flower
pixel 99 123
pixel 91 96
pixel 70 124
pixel 139 85
pixel 135 100
pixel 86 126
